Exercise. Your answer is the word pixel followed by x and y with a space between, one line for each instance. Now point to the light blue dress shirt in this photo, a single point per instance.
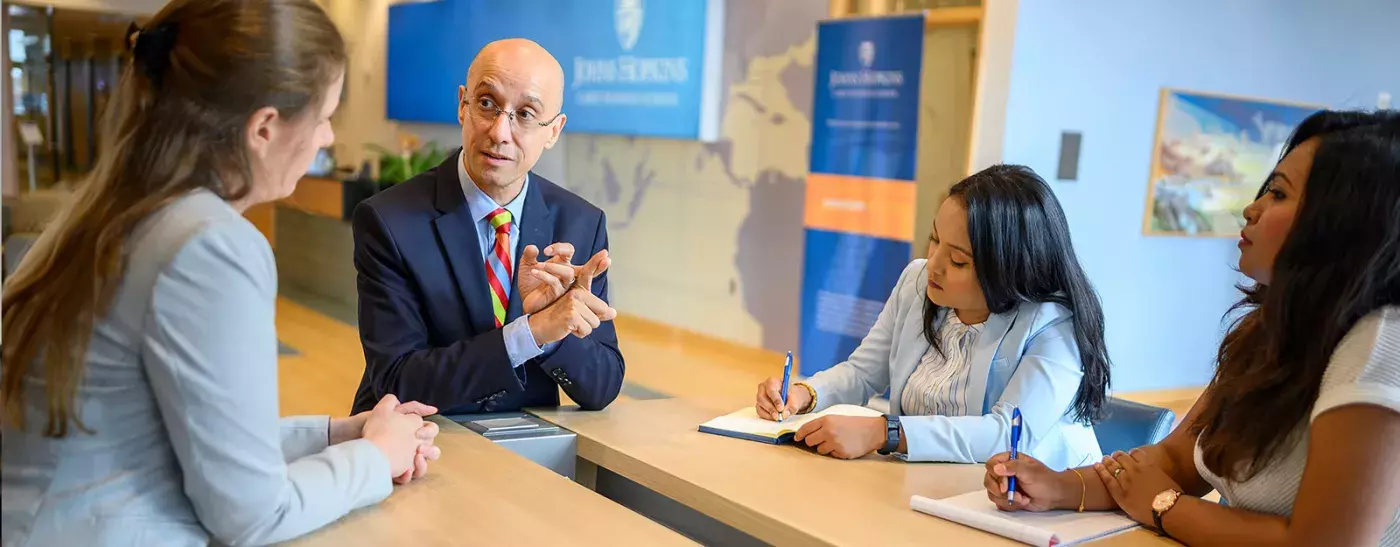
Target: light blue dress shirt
pixel 520 342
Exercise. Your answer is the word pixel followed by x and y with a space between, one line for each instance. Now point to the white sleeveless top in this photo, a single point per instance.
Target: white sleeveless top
pixel 1365 369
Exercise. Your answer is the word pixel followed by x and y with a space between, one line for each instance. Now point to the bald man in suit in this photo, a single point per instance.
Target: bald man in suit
pixel 469 298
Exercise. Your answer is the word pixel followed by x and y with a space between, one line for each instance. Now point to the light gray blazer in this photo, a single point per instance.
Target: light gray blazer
pixel 180 392
pixel 1026 357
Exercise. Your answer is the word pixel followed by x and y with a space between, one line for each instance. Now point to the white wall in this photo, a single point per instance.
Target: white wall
pixel 997 38
pixel 1097 66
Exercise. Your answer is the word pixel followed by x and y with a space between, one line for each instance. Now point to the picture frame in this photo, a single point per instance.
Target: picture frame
pixel 1210 155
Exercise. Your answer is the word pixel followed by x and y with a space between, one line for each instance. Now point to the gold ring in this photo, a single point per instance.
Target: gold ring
pixel 1117 471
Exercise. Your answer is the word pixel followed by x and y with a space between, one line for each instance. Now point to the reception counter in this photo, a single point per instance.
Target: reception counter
pixel 311 236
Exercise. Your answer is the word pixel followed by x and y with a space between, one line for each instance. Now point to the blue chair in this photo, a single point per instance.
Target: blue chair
pixel 1129 425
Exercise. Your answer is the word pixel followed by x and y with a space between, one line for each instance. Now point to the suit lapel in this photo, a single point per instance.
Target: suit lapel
pixel 912 347
pixel 536 228
pixel 457 235
pixel 993 331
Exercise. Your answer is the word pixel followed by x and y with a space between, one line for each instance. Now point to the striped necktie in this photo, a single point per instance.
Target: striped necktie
pixel 498 265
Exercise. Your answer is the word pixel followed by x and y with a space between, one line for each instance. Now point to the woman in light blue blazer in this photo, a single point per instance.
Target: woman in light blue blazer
pixel 999 316
pixel 140 358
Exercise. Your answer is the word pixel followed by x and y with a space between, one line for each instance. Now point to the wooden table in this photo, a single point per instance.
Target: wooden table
pixel 482 494
pixel 782 495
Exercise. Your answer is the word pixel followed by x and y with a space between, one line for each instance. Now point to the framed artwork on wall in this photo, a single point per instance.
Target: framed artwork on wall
pixel 1210 156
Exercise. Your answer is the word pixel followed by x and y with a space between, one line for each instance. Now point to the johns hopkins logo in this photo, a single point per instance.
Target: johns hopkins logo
pixel 867 77
pixel 627 68
pixel 627 19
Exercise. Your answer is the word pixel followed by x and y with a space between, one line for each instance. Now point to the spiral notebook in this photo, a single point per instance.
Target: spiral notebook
pixel 745 423
pixel 1048 529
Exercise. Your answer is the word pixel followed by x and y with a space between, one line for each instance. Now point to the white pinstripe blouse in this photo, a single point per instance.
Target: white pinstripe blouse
pixel 938 386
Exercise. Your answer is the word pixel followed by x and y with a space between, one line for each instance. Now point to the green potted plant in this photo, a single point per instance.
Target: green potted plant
pixel 395 166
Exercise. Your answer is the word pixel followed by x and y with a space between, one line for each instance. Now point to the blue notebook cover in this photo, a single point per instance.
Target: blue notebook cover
pixel 784 438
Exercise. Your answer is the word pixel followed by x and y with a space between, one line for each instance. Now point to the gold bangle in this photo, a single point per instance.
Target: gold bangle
pixel 1082 489
pixel 811 405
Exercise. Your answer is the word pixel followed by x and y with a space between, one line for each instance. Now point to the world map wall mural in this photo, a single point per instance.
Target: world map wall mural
pixel 736 203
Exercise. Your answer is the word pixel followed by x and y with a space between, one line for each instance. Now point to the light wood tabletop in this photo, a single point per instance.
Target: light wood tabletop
pixel 783 495
pixel 479 493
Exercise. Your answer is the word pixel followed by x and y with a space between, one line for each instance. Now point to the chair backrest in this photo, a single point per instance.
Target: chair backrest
pixel 1130 425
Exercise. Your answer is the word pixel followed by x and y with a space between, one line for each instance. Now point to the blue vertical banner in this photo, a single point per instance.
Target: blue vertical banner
pixel 859 211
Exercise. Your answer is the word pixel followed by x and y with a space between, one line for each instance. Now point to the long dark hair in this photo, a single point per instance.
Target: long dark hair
pixel 1021 243
pixel 1340 261
pixel 176 122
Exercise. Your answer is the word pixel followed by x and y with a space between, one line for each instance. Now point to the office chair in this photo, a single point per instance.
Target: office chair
pixel 1130 425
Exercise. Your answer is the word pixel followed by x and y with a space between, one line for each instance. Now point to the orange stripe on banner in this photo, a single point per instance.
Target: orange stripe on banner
pixel 874 207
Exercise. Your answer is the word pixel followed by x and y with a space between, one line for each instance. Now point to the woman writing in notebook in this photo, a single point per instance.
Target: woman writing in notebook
pixel 1300 427
pixel 999 316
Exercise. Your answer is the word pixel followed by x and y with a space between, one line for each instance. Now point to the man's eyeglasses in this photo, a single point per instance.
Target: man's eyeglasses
pixel 485 110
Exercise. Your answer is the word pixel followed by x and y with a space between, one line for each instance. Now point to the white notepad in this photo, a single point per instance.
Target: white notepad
pixel 1048 529
pixel 745 423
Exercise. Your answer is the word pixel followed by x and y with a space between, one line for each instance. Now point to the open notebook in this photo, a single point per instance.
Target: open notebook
pixel 745 424
pixel 1048 529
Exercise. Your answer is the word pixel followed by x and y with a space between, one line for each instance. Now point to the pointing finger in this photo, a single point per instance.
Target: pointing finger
pixel 595 267
pixel 529 256
pixel 560 253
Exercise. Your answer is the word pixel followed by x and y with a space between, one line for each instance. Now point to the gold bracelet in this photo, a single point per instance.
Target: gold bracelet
pixel 811 405
pixel 1082 489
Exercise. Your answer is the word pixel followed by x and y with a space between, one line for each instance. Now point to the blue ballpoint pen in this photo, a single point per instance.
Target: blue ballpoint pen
pixel 1015 441
pixel 787 375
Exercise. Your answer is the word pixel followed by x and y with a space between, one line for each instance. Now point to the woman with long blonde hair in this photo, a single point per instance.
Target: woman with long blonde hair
pixel 140 364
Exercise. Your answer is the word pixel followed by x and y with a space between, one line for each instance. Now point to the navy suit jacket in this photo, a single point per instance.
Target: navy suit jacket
pixel 425 314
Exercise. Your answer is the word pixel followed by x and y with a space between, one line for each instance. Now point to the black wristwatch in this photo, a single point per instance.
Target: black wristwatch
pixel 891 435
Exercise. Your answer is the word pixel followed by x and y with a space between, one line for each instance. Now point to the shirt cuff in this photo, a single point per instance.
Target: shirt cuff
pixel 304 435
pixel 520 342
pixel 367 480
pixel 549 349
